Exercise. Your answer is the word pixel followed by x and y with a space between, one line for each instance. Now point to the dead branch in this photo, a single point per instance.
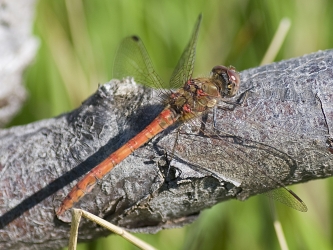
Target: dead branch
pixel 282 130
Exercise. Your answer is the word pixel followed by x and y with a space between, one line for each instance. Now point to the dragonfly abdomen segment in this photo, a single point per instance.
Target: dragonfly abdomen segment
pixel 166 118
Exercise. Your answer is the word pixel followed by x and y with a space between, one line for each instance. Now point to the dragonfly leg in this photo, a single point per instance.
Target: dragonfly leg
pixel 239 102
pixel 204 119
pixel 329 141
pixel 170 156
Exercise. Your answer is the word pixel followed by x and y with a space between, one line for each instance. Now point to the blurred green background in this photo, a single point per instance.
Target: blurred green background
pixel 78 43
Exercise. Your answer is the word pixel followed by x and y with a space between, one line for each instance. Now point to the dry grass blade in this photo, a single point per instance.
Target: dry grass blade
pixel 78 213
pixel 277 41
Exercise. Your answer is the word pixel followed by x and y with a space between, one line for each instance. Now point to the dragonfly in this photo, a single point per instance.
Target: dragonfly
pixel 191 99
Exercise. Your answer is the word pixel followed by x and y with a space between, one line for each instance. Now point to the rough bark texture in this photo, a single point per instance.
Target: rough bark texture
pixel 281 131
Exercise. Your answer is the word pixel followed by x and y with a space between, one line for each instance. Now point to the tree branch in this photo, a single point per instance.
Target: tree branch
pixel 282 130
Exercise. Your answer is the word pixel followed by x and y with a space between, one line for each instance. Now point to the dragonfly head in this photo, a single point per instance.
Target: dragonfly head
pixel 228 78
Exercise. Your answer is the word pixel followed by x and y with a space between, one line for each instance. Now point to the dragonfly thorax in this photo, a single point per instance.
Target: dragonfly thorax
pixel 198 95
pixel 194 98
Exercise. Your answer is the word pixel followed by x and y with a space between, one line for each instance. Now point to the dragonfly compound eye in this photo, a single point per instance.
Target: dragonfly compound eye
pixel 234 81
pixel 228 78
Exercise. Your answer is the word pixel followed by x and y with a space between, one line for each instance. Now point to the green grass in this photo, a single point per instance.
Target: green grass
pixel 78 43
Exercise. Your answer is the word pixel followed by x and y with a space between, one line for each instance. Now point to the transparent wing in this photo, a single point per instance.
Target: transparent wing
pixel 237 159
pixel 132 59
pixel 184 68
pixel 288 198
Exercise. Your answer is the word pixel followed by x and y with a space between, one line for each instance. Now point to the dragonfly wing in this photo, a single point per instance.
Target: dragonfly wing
pixel 288 198
pixel 255 165
pixel 184 68
pixel 132 59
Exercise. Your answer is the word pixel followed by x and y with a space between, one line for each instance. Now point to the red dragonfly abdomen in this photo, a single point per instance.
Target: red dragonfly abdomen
pixel 166 118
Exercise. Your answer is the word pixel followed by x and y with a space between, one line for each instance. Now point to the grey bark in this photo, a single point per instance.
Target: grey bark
pixel 281 130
